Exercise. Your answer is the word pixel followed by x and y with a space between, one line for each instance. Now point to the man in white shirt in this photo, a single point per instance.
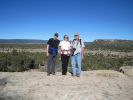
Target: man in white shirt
pixel 78 55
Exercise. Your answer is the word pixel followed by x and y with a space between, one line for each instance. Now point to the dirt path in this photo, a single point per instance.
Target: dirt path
pixel 92 85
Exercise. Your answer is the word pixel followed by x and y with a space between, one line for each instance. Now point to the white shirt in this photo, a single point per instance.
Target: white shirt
pixel 78 47
pixel 65 46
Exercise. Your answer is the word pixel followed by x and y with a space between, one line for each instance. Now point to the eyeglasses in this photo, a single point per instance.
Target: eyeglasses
pixel 66 37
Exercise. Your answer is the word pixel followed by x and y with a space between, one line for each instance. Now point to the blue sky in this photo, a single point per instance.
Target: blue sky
pixel 92 19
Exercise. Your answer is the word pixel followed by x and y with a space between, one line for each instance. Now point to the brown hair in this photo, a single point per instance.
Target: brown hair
pixel 65 36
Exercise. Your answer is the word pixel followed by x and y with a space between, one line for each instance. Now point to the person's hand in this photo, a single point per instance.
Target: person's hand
pixel 82 58
pixel 59 58
pixel 47 54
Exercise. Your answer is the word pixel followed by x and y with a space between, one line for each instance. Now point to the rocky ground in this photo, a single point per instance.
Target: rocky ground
pixel 92 85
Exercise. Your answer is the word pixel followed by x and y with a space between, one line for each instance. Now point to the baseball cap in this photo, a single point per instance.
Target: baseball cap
pixel 76 34
pixel 56 34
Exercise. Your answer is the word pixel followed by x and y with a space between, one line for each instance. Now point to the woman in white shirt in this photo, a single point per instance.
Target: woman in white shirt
pixel 65 51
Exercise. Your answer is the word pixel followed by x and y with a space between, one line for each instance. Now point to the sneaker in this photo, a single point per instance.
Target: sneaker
pixel 53 73
pixel 74 75
pixel 71 73
pixel 48 74
pixel 64 74
pixel 78 75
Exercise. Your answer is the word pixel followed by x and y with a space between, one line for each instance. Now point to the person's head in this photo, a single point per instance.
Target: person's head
pixel 56 36
pixel 66 38
pixel 76 36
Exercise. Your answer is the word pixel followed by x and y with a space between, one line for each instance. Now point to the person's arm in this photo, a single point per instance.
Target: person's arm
pixel 48 44
pixel 82 54
pixel 59 51
pixel 83 46
pixel 47 49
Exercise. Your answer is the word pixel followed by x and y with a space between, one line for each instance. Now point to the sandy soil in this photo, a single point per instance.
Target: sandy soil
pixel 92 85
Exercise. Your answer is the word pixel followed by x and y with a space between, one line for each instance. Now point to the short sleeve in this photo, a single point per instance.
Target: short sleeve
pixel 83 45
pixel 69 45
pixel 49 41
pixel 60 44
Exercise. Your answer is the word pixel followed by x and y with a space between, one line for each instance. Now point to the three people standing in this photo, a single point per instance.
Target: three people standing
pixel 67 49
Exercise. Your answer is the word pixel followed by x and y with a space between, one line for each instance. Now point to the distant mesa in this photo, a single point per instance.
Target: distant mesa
pixel 37 41
pixel 22 41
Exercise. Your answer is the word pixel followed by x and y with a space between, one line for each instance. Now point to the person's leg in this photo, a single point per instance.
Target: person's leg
pixel 49 64
pixel 63 64
pixel 66 63
pixel 53 65
pixel 79 61
pixel 74 65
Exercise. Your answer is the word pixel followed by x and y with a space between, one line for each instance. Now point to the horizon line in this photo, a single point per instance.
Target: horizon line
pixel 60 39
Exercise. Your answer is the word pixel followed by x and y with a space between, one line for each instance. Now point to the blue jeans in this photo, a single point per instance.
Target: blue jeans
pixel 76 64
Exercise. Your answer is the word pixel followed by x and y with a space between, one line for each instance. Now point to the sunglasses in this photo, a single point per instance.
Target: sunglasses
pixel 66 37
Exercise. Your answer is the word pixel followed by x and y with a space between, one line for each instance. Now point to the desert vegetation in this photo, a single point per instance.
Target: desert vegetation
pixel 100 54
